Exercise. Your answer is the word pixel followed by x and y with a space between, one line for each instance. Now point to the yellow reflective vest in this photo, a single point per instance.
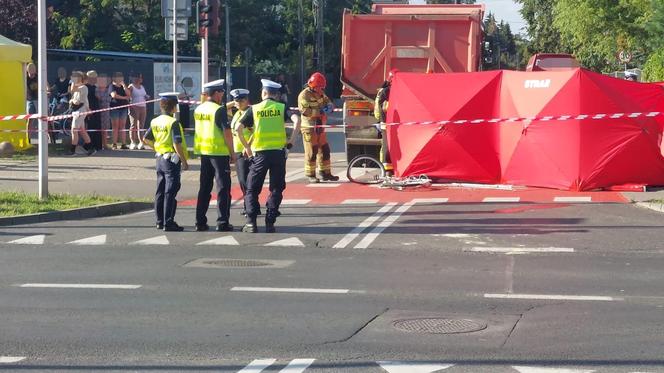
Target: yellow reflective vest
pixel 235 122
pixel 162 130
pixel 269 126
pixel 208 138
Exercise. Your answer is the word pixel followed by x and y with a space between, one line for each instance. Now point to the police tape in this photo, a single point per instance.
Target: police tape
pixel 71 115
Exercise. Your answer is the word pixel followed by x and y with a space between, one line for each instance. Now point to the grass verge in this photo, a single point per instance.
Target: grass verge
pixel 19 203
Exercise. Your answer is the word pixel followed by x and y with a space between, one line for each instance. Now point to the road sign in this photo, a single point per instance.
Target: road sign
pixel 182 29
pixel 624 56
pixel 183 8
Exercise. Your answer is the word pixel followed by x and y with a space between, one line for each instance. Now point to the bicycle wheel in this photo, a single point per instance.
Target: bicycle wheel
pixel 365 169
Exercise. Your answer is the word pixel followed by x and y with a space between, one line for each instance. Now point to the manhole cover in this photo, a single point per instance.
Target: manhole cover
pixel 439 325
pixel 238 263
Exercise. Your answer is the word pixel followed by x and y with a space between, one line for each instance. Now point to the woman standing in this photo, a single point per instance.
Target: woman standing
pixel 119 97
pixel 137 112
pixel 79 104
pixel 93 121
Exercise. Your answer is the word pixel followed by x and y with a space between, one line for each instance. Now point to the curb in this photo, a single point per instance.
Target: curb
pixel 117 208
pixel 655 206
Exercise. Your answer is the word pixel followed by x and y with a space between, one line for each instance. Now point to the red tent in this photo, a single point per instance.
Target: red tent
pixel 565 154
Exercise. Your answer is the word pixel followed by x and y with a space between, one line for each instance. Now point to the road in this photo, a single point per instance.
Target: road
pixel 347 287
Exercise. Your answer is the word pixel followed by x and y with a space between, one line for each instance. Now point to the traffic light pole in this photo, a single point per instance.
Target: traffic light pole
pixel 42 102
pixel 229 77
pixel 204 48
pixel 175 45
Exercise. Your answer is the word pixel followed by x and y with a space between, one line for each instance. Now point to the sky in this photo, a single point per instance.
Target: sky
pixel 506 10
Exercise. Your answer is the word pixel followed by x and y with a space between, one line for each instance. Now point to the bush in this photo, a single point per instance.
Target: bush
pixel 653 70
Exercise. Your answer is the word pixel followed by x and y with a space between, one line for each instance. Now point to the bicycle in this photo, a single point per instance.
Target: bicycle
pixel 62 127
pixel 365 169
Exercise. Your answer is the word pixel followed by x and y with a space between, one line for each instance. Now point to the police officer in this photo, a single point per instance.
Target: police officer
pixel 166 137
pixel 268 152
pixel 241 100
pixel 213 141
pixel 314 107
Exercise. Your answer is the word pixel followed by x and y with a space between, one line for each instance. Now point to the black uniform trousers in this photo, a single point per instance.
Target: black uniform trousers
pixel 214 169
pixel 262 162
pixel 242 164
pixel 168 185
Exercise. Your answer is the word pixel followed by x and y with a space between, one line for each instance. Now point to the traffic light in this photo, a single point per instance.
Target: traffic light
pixel 208 18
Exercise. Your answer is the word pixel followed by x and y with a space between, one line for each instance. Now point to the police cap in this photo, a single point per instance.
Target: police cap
pixel 240 93
pixel 169 95
pixel 217 85
pixel 270 85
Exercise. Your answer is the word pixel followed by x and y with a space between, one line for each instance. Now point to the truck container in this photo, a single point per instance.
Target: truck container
pixel 411 38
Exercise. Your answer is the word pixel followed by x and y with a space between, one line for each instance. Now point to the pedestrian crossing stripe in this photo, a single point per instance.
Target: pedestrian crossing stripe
pixel 524 369
pixel 411 367
pixel 294 366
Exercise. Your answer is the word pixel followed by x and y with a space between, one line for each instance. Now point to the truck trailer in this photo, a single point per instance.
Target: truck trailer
pixel 410 38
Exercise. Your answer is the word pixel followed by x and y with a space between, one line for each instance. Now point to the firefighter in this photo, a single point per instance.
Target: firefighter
pixel 213 140
pixel 268 152
pixel 241 100
pixel 166 137
pixel 380 111
pixel 314 107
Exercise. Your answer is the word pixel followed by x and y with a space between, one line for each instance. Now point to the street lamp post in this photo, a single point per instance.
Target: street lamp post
pixel 42 102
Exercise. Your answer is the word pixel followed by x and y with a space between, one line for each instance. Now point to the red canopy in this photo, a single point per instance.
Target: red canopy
pixel 565 154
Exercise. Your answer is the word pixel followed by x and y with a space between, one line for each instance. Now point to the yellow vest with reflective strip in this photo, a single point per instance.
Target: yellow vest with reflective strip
pixel 269 126
pixel 237 145
pixel 162 130
pixel 208 138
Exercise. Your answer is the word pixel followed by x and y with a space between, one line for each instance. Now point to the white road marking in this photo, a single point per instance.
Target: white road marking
pixel 371 236
pixel 159 240
pixel 522 369
pixel 96 240
pixel 81 286
pixel 454 235
pixel 360 201
pixel 430 200
pixel 501 199
pixel 295 202
pixel 290 290
pixel 573 199
pixel 294 175
pixel 348 238
pixel 406 367
pixel 522 250
pixel 297 365
pixel 11 359
pixel 228 240
pixel 323 185
pixel 30 240
pixel 290 242
pixel 552 297
pixel 257 366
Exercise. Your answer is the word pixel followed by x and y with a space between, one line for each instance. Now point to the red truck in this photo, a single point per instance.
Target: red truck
pixel 411 38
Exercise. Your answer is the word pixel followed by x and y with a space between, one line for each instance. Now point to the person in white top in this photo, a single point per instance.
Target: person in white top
pixel 79 105
pixel 137 111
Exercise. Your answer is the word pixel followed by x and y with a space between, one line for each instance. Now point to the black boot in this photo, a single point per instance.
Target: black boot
pixel 72 150
pixel 327 176
pixel 270 218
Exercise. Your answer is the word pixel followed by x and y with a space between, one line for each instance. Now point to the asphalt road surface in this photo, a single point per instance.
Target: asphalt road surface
pixel 400 287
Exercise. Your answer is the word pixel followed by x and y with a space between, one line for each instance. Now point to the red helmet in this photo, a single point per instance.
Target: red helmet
pixel 392 73
pixel 317 80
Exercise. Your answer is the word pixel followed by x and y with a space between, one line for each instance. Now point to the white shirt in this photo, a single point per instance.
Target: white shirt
pixel 138 95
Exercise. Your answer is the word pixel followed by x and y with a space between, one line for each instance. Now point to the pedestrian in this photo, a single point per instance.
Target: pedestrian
pixel 268 152
pixel 60 88
pixel 213 141
pixel 166 137
pixel 119 97
pixel 241 101
pixel 284 91
pixel 104 103
pixel 32 95
pixel 79 104
pixel 93 120
pixel 631 76
pixel 137 111
pixel 314 107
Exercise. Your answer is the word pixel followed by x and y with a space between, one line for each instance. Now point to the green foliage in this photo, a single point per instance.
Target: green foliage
pixel 503 52
pixel 267 67
pixel 653 70
pixel 20 203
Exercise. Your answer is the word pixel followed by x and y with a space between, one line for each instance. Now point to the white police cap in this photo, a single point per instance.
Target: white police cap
pixel 239 93
pixel 169 95
pixel 216 85
pixel 270 84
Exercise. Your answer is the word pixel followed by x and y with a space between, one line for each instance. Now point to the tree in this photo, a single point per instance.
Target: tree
pixel 597 30
pixel 544 37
